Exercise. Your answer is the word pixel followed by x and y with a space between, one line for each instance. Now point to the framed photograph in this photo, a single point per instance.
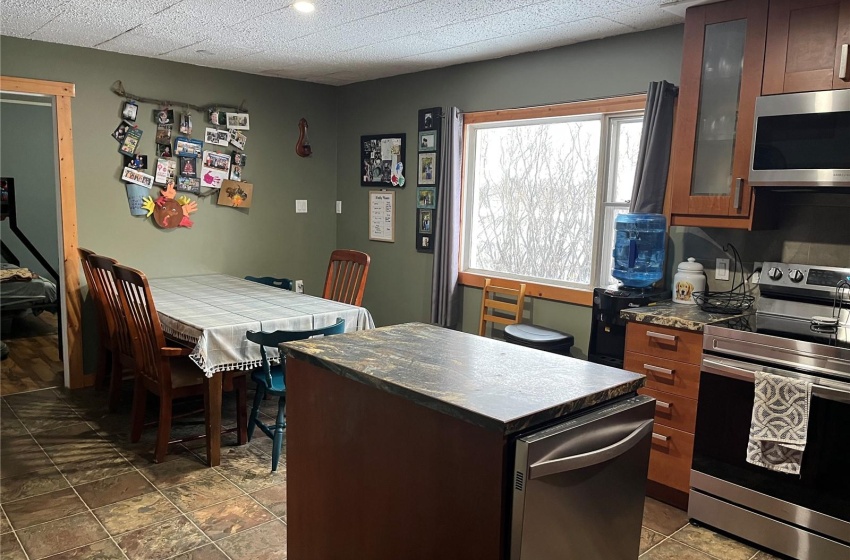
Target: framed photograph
pixel 218 118
pixel 163 133
pixel 430 119
pixel 164 150
pixel 216 136
pixel 428 141
pixel 131 175
pixel 239 158
pixel 426 197
pixel 131 142
pixel 382 216
pixel 424 243
pixel 163 116
pixel 165 171
pixel 237 121
pixel 382 160
pixel 188 147
pixel 236 173
pixel 120 133
pixel 235 194
pixel 238 139
pixel 136 161
pixel 188 167
pixel 217 160
pixel 188 184
pixel 427 169
pixel 130 111
pixel 425 221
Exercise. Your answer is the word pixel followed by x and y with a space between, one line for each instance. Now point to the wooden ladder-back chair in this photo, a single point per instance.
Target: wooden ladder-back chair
pixel 164 371
pixel 121 346
pixel 346 278
pixel 104 336
pixel 510 311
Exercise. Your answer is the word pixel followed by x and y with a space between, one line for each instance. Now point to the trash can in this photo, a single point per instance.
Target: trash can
pixel 539 338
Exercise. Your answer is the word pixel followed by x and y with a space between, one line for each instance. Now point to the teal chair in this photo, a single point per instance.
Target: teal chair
pixel 284 283
pixel 272 380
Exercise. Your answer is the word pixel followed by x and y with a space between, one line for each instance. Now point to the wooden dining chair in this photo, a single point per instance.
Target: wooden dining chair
pixel 165 371
pixel 508 305
pixel 284 283
pixel 104 337
pixel 272 380
pixel 346 278
pixel 122 362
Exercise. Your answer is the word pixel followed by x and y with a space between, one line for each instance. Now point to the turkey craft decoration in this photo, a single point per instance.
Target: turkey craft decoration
pixel 169 210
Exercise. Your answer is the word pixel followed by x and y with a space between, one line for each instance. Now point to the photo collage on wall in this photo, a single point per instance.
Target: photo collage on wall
pixel 181 163
pixel 427 174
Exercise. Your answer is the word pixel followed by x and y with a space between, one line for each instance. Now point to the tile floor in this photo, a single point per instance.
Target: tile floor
pixel 71 486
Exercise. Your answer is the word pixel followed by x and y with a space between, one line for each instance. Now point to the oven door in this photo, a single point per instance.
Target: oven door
pixel 818 500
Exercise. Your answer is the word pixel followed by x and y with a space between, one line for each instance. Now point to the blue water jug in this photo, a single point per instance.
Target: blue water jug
pixel 639 249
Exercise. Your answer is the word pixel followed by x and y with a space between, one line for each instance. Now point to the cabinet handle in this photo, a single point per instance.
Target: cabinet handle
pixel 662 404
pixel 660 437
pixel 739 188
pixel 843 69
pixel 657 369
pixel 665 337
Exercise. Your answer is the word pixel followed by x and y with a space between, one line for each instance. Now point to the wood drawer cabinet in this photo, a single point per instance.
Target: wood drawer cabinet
pixel 807 44
pixel 670 359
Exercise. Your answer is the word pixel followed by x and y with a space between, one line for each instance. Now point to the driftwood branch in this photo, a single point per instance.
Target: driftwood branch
pixel 118 89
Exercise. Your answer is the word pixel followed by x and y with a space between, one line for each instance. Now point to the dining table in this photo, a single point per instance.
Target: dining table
pixel 212 313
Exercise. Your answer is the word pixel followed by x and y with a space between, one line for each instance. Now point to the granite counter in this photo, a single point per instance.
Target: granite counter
pixel 676 316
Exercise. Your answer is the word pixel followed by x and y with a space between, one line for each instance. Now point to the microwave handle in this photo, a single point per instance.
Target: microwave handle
pixel 829 392
pixel 739 188
pixel 843 69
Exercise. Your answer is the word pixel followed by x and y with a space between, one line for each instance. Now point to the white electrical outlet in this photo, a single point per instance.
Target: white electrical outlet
pixel 300 206
pixel 721 269
pixel 339 207
pixel 299 286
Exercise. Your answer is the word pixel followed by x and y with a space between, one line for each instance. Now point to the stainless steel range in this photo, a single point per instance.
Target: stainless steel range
pixel 801 329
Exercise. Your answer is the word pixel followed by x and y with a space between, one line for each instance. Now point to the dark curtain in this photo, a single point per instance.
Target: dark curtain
pixel 654 155
pixel 445 292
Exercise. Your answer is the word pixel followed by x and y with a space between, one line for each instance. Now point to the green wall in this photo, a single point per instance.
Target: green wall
pixel 399 287
pixel 28 154
pixel 267 239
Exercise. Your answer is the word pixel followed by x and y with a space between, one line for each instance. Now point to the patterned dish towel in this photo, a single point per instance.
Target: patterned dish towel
pixel 780 422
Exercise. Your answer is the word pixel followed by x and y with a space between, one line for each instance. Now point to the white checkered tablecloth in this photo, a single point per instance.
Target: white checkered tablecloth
pixel 214 312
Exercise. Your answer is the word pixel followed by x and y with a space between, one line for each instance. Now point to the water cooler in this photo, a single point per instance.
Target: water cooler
pixel 638 264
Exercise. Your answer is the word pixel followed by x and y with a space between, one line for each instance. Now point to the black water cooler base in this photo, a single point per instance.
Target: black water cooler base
pixel 607 329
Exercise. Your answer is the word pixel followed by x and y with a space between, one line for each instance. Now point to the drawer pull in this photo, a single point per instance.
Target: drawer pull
pixel 660 437
pixel 661 336
pixel 657 369
pixel 844 65
pixel 664 405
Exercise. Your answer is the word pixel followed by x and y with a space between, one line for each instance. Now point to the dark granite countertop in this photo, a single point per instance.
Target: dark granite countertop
pixel 483 381
pixel 676 315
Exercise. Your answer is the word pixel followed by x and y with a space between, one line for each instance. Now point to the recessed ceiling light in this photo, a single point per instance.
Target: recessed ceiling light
pixel 304 6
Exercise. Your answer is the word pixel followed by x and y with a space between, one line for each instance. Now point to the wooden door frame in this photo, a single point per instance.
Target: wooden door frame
pixel 62 92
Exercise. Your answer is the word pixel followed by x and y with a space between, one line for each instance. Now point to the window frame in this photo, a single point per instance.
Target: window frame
pixel 623 106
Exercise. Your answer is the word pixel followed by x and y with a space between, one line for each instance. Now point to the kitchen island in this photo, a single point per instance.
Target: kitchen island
pixel 399 438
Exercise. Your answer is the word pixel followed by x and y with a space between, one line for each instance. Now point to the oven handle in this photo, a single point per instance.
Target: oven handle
pixel 822 388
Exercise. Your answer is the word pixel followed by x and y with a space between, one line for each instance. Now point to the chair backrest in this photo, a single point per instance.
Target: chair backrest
pixel 104 277
pixel 145 328
pixel 510 312
pixel 272 339
pixel 95 293
pixel 284 283
pixel 346 278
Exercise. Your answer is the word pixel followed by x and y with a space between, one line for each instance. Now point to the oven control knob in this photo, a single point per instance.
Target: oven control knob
pixel 774 273
pixel 795 275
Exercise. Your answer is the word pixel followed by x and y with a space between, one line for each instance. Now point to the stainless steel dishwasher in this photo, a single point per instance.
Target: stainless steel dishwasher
pixel 579 486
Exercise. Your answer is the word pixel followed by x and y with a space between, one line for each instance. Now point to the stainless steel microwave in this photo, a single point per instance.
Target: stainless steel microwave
pixel 802 140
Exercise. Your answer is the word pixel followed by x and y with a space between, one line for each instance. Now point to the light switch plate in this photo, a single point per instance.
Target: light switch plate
pixel 300 206
pixel 299 286
pixel 339 207
pixel 721 269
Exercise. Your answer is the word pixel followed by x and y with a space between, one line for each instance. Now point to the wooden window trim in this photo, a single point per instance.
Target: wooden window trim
pixel 612 105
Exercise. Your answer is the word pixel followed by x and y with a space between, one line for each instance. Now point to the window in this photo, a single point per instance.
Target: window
pixel 543 187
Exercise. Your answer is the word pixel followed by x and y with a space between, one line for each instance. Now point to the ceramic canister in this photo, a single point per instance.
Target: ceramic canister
pixel 689 278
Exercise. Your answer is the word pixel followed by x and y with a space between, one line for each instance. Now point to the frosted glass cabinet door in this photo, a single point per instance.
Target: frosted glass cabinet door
pixel 721 77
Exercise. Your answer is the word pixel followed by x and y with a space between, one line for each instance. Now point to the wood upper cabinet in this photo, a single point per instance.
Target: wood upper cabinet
pixel 723 59
pixel 807 44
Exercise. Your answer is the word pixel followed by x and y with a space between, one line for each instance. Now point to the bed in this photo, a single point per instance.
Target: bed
pixel 20 290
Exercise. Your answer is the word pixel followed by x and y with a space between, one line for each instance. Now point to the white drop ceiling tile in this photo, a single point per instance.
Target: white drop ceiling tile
pixel 515 22
pixel 208 53
pixel 458 34
pixel 644 18
pixel 392 51
pixel 21 18
pixel 568 11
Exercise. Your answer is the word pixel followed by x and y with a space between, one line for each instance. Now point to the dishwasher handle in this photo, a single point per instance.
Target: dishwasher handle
pixel 574 462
